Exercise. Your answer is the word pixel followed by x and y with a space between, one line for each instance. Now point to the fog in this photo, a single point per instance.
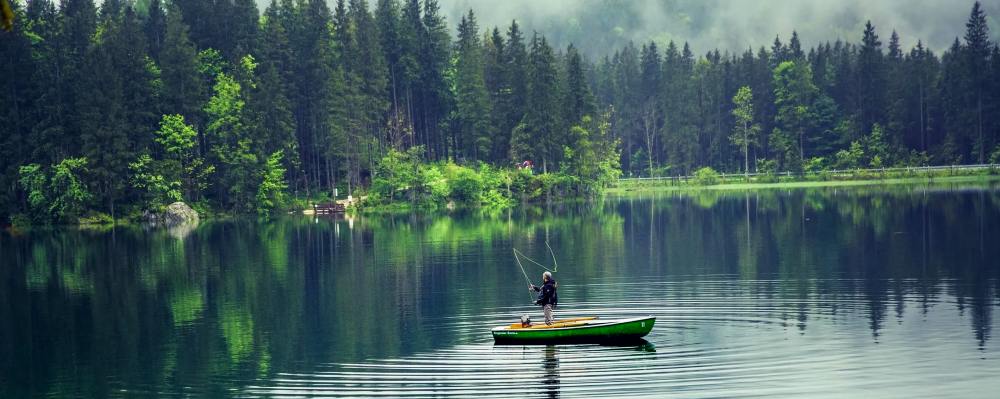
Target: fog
pixel 598 26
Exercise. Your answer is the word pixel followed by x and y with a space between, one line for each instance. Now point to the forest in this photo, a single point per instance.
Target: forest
pixel 130 105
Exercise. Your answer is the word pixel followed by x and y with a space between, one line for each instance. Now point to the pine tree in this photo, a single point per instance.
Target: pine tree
pixel 472 106
pixel 366 59
pixel 183 89
pixel 270 100
pixel 509 59
pixel 871 75
pixel 977 49
pixel 17 98
pixel 794 93
pixel 156 28
pixel 118 118
pixel 649 104
pixel 241 39
pixel 578 99
pixel 493 66
pixel 538 136
pixel 434 59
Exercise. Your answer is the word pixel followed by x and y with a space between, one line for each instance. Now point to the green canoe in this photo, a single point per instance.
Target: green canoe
pixel 582 330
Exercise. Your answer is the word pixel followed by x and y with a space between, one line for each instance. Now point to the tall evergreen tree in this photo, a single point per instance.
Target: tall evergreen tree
pixel 794 93
pixel 118 118
pixel 156 28
pixel 649 103
pixel 17 98
pixel 871 83
pixel 269 100
pixel 183 89
pixel 539 135
pixel 578 99
pixel 434 58
pixel 472 107
pixel 977 51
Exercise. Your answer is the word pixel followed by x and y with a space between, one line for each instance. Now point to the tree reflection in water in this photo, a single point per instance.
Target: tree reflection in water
pixel 231 301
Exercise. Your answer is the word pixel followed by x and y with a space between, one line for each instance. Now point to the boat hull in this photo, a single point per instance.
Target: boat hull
pixel 601 332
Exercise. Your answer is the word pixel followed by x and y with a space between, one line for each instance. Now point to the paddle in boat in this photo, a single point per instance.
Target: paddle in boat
pixel 576 330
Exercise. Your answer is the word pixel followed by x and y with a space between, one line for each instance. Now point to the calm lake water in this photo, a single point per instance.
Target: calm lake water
pixel 875 292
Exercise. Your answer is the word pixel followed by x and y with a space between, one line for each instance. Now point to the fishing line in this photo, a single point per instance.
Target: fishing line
pixel 523 272
pixel 554 262
pixel 516 253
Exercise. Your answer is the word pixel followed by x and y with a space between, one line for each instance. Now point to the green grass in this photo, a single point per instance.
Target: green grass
pixel 866 181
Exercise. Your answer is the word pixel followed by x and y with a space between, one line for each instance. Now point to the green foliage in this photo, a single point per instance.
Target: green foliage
pixel 794 93
pixel 271 191
pixel 435 184
pixel 397 174
pixel 815 165
pixel 176 137
pixel 592 158
pixel 850 158
pixel 67 192
pixel 877 147
pixel 35 184
pixel 766 168
pixel 59 195
pixel 156 190
pixel 334 91
pixel 466 184
pixel 706 176
pixel 745 130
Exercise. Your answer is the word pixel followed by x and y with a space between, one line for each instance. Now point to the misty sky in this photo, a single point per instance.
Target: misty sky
pixel 596 25
pixel 601 26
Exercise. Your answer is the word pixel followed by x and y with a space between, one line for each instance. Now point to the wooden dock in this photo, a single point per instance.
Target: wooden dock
pixel 327 209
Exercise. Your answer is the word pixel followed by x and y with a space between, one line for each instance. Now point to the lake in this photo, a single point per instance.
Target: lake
pixel 870 291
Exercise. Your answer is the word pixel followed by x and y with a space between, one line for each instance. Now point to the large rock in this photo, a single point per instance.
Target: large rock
pixel 174 214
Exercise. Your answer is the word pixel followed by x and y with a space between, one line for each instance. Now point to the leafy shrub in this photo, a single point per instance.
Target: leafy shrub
pixel 706 176
pixel 59 197
pixel 96 218
pixel 271 191
pixel 466 185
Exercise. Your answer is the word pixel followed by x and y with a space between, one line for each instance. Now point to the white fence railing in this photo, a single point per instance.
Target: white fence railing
pixel 832 172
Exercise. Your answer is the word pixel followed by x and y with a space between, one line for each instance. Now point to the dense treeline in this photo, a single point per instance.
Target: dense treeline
pixel 835 105
pixel 136 104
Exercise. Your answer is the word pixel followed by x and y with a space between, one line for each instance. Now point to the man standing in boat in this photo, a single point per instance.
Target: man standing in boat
pixel 547 296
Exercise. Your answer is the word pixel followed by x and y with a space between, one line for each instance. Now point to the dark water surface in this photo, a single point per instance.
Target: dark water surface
pixel 886 292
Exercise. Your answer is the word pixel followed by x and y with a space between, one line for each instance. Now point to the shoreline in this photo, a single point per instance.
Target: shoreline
pixel 849 182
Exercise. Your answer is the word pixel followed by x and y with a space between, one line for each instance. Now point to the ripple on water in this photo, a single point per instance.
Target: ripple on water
pixel 712 339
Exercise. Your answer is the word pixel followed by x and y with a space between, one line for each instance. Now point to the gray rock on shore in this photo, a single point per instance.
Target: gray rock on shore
pixel 173 214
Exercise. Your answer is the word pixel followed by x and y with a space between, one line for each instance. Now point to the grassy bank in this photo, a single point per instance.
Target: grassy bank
pixel 807 181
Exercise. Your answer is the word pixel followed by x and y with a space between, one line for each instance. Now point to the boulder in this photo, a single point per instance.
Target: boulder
pixel 174 214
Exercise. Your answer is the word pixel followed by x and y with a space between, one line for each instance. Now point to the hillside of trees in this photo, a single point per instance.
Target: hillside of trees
pixel 134 104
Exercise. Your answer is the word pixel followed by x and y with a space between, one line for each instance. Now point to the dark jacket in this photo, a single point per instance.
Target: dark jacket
pixel 547 293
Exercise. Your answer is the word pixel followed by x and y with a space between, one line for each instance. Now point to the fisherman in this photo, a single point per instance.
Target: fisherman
pixel 547 296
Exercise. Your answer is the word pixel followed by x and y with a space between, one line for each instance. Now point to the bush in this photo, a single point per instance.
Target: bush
pixel 96 218
pixel 706 176
pixel 466 185
pixel 20 220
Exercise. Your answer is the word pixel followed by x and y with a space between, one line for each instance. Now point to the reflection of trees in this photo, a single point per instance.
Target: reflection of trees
pixel 236 300
pixel 895 240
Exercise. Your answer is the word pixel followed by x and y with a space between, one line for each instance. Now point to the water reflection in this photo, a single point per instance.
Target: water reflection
pixel 360 306
pixel 550 364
